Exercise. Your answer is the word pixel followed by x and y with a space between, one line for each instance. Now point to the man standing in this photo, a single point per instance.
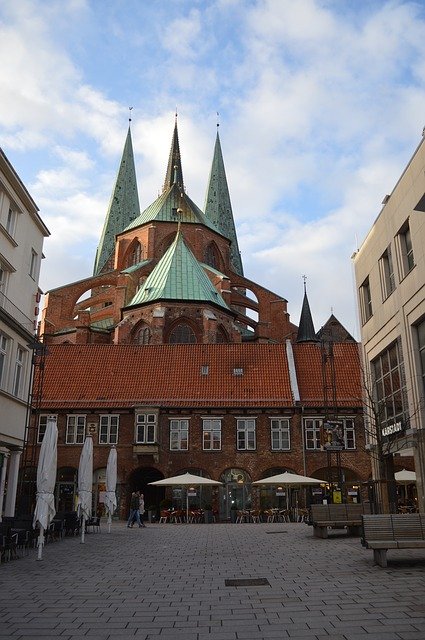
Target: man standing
pixel 134 510
pixel 142 509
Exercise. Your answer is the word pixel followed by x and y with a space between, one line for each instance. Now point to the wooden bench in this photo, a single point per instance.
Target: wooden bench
pixel 392 531
pixel 337 516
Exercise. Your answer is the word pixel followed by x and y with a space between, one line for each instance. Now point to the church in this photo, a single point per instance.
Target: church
pixel 170 354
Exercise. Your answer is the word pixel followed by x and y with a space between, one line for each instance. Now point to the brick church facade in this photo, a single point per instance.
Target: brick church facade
pixel 170 354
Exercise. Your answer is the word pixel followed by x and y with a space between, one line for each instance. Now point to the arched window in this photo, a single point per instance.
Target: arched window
pixel 143 335
pixel 221 336
pixel 210 256
pixel 182 334
pixel 135 254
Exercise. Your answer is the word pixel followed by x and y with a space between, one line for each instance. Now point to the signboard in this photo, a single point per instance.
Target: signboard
pixel 390 429
pixel 334 436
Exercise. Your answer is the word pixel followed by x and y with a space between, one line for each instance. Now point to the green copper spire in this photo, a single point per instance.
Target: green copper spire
pixel 306 332
pixel 174 173
pixel 123 208
pixel 178 276
pixel 218 207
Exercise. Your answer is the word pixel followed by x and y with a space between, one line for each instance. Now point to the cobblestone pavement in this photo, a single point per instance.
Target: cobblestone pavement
pixel 169 582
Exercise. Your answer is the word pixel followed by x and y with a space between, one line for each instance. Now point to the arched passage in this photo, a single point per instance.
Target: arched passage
pixel 139 480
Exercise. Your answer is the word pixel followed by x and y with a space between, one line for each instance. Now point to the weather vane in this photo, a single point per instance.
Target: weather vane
pixel 129 115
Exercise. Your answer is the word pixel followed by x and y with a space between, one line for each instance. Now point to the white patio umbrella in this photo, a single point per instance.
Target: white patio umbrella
pixel 85 484
pixel 46 478
pixel 289 480
pixel 185 480
pixel 111 483
pixel 405 477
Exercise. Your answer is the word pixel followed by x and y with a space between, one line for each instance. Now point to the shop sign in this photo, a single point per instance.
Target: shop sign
pixel 390 429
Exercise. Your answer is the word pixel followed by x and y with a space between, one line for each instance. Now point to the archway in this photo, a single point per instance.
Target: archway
pixel 139 480
pixel 236 494
pixel 348 490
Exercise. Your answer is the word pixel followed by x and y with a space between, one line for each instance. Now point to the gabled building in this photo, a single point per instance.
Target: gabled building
pixel 22 234
pixel 172 355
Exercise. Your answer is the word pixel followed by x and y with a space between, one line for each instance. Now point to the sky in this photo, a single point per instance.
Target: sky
pixel 321 105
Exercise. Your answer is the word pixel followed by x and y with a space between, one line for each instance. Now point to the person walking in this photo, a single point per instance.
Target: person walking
pixel 142 509
pixel 134 510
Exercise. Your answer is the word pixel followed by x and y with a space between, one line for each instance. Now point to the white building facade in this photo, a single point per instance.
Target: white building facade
pixel 22 234
pixel 390 281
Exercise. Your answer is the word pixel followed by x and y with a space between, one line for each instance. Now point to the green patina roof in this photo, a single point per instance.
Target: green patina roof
pixel 134 267
pixel 178 276
pixel 218 208
pixel 123 206
pixel 165 208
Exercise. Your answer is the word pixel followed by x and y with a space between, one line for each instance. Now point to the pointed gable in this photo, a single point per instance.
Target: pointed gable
pixel 334 331
pixel 306 332
pixel 178 276
pixel 123 207
pixel 218 207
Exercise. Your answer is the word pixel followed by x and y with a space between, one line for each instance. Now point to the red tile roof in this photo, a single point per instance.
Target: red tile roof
pixel 90 376
pixel 166 375
pixel 309 366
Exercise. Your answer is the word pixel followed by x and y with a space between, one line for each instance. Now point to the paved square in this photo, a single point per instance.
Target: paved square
pixel 168 582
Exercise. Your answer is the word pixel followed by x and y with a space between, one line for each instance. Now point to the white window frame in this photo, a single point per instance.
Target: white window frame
pixel 4 279
pixel 312 433
pixel 42 424
pixel 386 268
pixel 211 434
pixel 179 434
pixel 146 428
pixel 75 429
pixel 365 296
pixel 11 218
pixel 33 264
pixel 19 374
pixel 349 429
pixel 405 247
pixel 4 359
pixel 246 434
pixel 108 428
pixel 280 434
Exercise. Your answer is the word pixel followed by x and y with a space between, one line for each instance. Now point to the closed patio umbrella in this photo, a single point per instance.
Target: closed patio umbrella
pixel 111 483
pixel 85 484
pixel 46 478
pixel 185 480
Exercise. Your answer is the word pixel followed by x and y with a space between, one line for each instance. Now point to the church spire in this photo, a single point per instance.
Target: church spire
pixel 174 168
pixel 123 208
pixel 218 207
pixel 306 332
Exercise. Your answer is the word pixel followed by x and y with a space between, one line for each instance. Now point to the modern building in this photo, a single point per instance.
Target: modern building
pixel 390 279
pixel 22 234
pixel 172 355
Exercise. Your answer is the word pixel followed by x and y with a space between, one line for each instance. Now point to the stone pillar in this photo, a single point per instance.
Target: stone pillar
pixel 419 454
pixel 12 483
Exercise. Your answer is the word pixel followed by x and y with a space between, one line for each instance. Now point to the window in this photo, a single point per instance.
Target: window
pixel 4 347
pixel 365 301
pixel 211 434
pixel 108 433
pixel 143 336
pixel 179 435
pixel 182 334
pixel 33 264
pixel 75 429
pixel 387 273
pixel 280 436
pixel 146 428
pixel 11 222
pixel 420 329
pixel 246 434
pixel 349 433
pixel 313 428
pixel 18 380
pixel 4 275
pixel 406 249
pixel 389 387
pixel 42 424
pixel 210 256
